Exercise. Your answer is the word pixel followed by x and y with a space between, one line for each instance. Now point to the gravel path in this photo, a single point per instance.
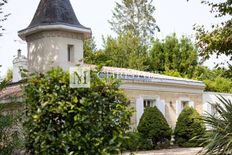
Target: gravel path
pixel 177 151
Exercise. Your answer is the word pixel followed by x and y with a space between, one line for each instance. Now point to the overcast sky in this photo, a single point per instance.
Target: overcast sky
pixel 172 16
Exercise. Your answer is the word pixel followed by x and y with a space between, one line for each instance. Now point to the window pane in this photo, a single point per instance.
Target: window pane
pixel 70 53
pixel 149 103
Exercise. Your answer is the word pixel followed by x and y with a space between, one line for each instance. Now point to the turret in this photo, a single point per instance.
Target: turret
pixel 54 37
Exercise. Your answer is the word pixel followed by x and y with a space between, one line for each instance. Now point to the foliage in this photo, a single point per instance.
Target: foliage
pixel 89 50
pixel 173 73
pixel 219 84
pixel 135 16
pixel 132 142
pixel 3 16
pixel 216 79
pixel 125 52
pixel 173 54
pixel 9 75
pixel 135 142
pixel 6 80
pixel 217 140
pixel 62 120
pixel 94 56
pixel 153 126
pixel 10 139
pixel 3 84
pixel 219 39
pixel 189 125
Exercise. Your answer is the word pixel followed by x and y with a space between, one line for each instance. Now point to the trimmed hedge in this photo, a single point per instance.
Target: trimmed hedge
pixel 86 121
pixel 189 126
pixel 153 127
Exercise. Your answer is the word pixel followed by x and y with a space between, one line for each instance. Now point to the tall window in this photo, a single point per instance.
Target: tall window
pixel 70 53
pixel 149 103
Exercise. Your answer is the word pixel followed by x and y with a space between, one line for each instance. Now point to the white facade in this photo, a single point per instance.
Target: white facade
pixel 211 98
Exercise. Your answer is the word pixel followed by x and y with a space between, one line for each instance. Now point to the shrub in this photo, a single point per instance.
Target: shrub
pixel 154 127
pixel 62 120
pixel 189 125
pixel 134 142
pixel 10 137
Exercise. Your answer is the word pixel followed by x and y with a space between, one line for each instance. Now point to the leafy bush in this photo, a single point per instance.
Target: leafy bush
pixel 62 120
pixel 134 142
pixel 10 139
pixel 189 125
pixel 154 127
pixel 218 139
pixel 219 84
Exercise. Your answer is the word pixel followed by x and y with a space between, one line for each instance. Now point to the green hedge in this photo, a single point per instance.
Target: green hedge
pixel 189 126
pixel 86 121
pixel 153 127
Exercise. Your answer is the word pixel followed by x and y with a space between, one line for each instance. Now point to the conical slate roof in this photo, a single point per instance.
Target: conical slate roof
pixel 52 13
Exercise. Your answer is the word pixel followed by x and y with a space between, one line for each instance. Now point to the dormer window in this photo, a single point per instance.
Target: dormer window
pixel 70 53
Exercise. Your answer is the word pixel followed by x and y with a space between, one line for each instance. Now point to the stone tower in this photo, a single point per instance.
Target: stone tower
pixel 54 37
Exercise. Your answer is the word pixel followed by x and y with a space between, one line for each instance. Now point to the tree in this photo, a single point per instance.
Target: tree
pixel 3 16
pixel 135 16
pixel 174 55
pixel 63 120
pixel 9 75
pixel 94 56
pixel 126 51
pixel 189 125
pixel 216 79
pixel 89 50
pixel 219 84
pixel 153 126
pixel 217 140
pixel 219 40
pixel 6 80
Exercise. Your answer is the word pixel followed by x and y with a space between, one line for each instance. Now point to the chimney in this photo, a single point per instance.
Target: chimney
pixel 19 53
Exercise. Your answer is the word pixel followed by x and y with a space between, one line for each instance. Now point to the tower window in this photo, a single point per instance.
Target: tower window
pixel 70 53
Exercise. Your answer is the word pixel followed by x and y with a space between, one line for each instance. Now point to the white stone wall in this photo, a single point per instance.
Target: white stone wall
pixel 210 98
pixel 50 49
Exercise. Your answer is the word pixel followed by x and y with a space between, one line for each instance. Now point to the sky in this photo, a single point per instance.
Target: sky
pixel 177 16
